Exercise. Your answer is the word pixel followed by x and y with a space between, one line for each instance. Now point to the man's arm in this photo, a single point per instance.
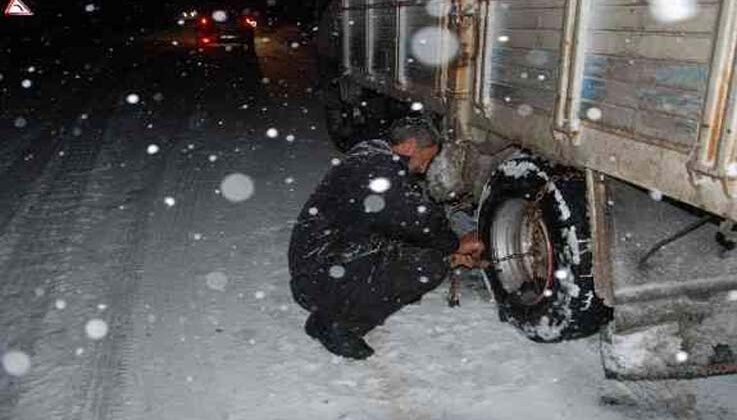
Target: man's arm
pixel 410 216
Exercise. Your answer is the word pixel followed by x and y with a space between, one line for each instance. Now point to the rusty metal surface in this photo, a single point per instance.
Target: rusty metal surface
pixel 675 317
pixel 722 67
pixel 601 232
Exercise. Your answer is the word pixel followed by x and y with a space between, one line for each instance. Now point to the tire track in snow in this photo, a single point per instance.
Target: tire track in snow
pixel 37 247
pixel 172 339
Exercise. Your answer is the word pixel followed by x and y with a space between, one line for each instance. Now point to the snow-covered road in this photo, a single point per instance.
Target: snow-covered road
pixel 138 287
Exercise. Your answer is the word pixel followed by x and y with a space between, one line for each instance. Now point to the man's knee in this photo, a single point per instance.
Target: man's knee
pixel 431 265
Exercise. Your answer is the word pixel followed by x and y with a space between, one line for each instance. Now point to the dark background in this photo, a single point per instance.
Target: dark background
pixel 69 18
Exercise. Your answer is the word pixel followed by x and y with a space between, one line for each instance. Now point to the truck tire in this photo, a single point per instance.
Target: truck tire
pixel 533 218
pixel 350 122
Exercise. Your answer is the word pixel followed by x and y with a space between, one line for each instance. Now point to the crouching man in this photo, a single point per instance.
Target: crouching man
pixel 369 240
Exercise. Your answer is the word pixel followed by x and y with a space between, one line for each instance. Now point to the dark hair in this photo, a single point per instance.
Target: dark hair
pixel 417 127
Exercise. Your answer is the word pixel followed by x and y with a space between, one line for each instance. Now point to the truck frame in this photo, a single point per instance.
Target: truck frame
pixel 587 132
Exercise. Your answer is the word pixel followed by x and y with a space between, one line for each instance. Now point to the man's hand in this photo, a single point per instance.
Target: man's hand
pixel 461 260
pixel 471 245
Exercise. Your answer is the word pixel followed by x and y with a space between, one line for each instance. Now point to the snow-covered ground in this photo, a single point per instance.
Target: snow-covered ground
pixel 140 286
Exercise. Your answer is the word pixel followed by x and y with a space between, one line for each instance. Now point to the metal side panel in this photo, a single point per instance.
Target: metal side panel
pixel 384 33
pixel 357 28
pixel 675 316
pixel 644 77
pixel 521 53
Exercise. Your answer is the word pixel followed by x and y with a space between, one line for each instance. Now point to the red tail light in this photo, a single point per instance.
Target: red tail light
pixel 204 21
pixel 251 21
pixel 205 40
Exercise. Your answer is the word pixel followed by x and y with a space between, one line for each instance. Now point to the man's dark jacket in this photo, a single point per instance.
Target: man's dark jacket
pixel 345 220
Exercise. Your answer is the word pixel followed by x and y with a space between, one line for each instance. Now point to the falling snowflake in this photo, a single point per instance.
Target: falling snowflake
pixel 417 106
pixel 259 295
pixel 169 201
pixel 335 161
pixel 89 8
pixel 26 83
pixel 524 110
pixel 219 16
pixel 272 133
pixel 152 149
pixel 503 38
pixel 541 77
pixel 438 8
pixel 20 122
pixel 379 185
pixel 60 304
pixel 537 57
pixel 547 293
pixel 237 187
pixel 16 363
pixel 672 11
pixel 290 138
pixel 561 274
pixel 31 69
pixel 79 351
pixel 216 280
pixel 132 98
pixel 197 236
pixel 593 114
pixel 96 329
pixel 424 279
pixel 212 158
pixel 434 45
pixel 656 195
pixel 732 170
pixel 101 307
pixel 295 45
pixel 158 96
pixel 732 296
pixel 312 211
pixel 336 271
pixel 373 204
pixel 681 356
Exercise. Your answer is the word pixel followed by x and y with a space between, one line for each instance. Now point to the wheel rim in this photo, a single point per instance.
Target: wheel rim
pixel 522 251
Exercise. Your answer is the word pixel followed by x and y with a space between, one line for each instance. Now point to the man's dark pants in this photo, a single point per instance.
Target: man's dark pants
pixel 373 286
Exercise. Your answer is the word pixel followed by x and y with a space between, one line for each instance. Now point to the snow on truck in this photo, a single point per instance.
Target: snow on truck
pixel 597 139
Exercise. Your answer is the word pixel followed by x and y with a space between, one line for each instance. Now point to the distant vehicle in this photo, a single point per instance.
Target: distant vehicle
pixel 227 28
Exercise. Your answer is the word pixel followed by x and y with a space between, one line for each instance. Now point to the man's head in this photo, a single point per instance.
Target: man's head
pixel 416 138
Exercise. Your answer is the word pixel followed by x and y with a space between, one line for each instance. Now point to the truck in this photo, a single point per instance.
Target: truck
pixel 596 142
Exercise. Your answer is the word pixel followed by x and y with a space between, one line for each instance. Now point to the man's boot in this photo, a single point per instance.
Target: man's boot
pixel 337 338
